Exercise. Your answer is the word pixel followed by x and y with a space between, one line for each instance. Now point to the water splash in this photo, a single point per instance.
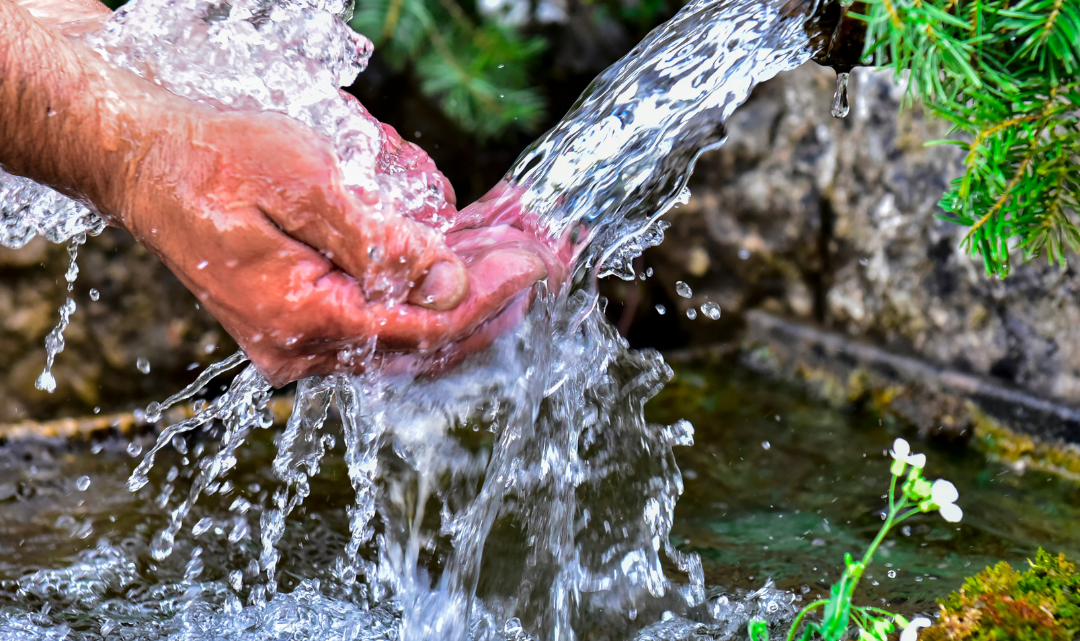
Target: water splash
pixel 536 450
pixel 54 341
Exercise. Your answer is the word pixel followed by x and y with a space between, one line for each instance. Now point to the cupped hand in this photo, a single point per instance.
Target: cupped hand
pixel 250 211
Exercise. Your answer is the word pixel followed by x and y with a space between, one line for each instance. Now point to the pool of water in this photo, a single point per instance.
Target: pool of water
pixel 781 485
pixel 778 486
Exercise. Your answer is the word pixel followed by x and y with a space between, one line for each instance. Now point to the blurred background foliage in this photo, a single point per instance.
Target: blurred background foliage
pixel 474 81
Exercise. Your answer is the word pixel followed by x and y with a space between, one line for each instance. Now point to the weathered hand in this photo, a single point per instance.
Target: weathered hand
pixel 250 212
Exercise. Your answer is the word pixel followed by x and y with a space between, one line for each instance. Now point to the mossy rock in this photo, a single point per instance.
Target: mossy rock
pixel 1001 604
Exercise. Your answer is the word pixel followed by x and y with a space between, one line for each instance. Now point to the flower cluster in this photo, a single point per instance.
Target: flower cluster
pixel 940 495
pixel 917 496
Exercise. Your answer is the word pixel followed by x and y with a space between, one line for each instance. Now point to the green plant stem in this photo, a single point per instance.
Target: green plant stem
pixel 798 619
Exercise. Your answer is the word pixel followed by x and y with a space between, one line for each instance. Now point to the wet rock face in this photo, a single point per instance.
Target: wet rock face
pixel 835 221
pixel 142 312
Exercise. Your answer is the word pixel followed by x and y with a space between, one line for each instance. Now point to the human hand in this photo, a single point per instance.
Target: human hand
pixel 249 210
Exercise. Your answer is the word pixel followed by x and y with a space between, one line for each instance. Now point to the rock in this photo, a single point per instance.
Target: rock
pixel 835 222
pixel 142 310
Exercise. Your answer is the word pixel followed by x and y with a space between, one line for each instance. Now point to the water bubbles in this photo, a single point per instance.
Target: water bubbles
pixel 682 289
pixel 94 294
pixel 660 309
pixel 840 105
pixel 143 365
pixel 83 483
pixel 711 310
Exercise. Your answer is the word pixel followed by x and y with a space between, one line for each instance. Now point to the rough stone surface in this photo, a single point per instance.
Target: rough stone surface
pixel 836 222
pixel 142 312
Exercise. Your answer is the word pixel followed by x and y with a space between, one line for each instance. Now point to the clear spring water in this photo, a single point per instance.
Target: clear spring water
pixel 79 560
pixel 534 455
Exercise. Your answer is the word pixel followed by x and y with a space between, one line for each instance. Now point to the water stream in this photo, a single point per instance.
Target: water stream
pixel 533 457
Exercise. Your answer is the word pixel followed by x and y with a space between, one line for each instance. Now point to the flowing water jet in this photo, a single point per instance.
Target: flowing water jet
pixel 537 449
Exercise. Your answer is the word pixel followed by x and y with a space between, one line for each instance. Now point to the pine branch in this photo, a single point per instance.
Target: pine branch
pixel 1004 74
pixel 475 69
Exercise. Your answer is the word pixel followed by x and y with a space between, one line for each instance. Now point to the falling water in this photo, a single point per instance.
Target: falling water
pixel 841 105
pixel 535 452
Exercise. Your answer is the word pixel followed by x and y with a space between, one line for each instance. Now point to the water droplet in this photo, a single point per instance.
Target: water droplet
pixel 712 310
pixel 236 580
pixel 153 410
pixel 203 525
pixel 840 105
pixel 83 483
pixel 202 265
pixel 193 568
pixel 241 530
pixel 143 365
pixel 682 289
pixel 691 313
pixel 46 382
pixel 892 574
pixel 162 546
pixel 765 445
pixel 660 309
pixel 94 294
pixel 134 448
pixel 683 197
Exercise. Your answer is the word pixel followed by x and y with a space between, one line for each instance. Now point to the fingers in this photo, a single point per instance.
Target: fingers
pixel 296 183
pixel 496 276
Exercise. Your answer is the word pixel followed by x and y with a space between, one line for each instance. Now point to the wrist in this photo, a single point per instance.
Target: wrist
pixel 72 121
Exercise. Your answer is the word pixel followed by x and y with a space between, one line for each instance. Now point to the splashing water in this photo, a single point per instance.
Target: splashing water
pixel 536 450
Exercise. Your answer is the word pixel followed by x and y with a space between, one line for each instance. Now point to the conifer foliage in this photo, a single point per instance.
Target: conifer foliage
pixel 1004 73
pixel 475 65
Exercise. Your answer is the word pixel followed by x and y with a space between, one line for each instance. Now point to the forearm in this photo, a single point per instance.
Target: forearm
pixel 70 120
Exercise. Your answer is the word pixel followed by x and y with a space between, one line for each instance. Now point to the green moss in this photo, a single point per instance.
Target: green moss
pixel 1001 604
pixel 1004 445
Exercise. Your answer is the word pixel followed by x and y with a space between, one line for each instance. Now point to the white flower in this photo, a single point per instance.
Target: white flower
pixel 911 630
pixel 944 495
pixel 901 451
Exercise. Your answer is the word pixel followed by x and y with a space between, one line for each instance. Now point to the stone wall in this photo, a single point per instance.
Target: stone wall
pixel 835 222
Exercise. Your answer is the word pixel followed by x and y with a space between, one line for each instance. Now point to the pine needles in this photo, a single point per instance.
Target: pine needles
pixel 1003 72
pixel 475 66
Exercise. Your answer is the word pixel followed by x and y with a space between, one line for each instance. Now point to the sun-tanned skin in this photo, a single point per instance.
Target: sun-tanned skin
pixel 248 209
